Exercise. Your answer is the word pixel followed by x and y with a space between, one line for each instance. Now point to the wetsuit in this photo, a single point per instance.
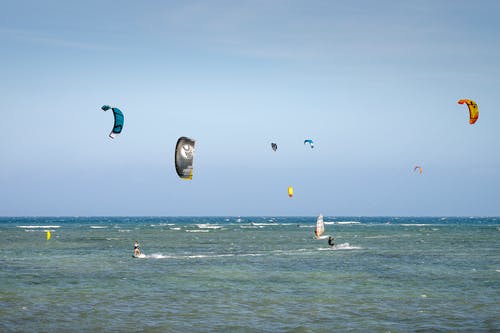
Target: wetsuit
pixel 330 241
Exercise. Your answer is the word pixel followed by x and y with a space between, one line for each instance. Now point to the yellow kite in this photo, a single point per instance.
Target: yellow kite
pixel 473 110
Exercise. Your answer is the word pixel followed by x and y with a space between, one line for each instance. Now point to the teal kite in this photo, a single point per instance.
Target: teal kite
pixel 118 126
pixel 310 142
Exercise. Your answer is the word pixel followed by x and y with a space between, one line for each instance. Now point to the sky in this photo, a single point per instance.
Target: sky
pixel 375 84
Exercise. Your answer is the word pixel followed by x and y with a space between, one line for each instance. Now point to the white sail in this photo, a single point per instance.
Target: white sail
pixel 320 226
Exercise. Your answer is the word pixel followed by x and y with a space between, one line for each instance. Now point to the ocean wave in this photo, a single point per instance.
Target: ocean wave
pixel 38 226
pixel 199 256
pixel 346 246
pixel 161 224
pixel 343 246
pixel 202 230
pixel 98 227
pixel 158 256
pixel 416 224
pixel 209 226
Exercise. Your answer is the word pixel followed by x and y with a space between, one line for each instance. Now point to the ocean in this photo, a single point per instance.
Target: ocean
pixel 250 274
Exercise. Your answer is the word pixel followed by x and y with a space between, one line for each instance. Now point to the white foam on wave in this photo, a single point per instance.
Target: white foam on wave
pixel 299 252
pixel 158 256
pixel 197 256
pixel 416 224
pixel 202 230
pixel 347 222
pixel 378 236
pixel 346 246
pixel 161 224
pixel 123 230
pixel 98 227
pixel 209 226
pixel 176 228
pixel 38 226
pixel 343 246
pixel 251 226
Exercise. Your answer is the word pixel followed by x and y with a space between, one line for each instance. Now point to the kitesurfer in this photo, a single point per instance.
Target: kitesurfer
pixel 331 241
pixel 137 250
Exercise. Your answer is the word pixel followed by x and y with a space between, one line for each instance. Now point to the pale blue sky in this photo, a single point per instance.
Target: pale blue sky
pixel 374 83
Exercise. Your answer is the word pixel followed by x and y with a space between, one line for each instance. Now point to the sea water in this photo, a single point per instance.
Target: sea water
pixel 249 274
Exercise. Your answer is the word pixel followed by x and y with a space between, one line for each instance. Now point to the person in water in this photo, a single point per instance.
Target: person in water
pixel 137 251
pixel 331 241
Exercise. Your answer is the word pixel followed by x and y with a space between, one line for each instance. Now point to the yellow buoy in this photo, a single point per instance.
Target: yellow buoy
pixel 290 191
pixel 48 234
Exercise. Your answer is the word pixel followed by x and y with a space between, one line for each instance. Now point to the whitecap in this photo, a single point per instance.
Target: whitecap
pixel 158 256
pixel 208 226
pixel 415 224
pixel 98 227
pixel 343 246
pixel 38 226
pixel 346 246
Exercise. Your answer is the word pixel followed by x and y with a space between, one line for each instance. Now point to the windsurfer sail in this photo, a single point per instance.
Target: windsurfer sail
pixel 320 227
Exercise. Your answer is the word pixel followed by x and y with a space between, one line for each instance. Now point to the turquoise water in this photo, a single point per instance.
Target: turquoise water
pixel 250 274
